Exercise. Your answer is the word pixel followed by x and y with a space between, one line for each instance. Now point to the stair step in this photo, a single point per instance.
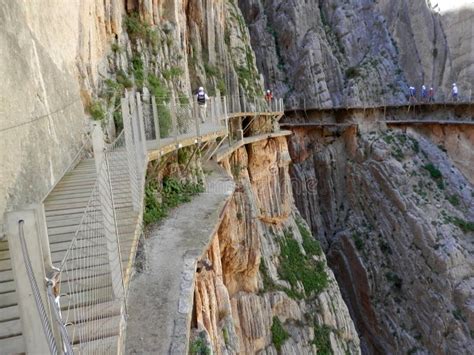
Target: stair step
pixel 12 345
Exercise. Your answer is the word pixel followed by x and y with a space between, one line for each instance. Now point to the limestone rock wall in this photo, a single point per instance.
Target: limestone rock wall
pixel 60 61
pixel 50 54
pixel 243 288
pixel 335 52
pixel 396 218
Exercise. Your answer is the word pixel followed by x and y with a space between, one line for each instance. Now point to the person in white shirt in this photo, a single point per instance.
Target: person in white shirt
pixel 455 92
pixel 201 99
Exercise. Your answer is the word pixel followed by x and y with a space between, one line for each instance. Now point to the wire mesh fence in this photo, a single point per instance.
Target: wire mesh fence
pixel 91 286
pixel 91 283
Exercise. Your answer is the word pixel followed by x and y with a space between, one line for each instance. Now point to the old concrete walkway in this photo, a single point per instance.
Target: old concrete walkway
pixel 161 297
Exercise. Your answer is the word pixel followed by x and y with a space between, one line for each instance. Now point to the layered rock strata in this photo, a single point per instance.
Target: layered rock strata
pixel 244 300
pixel 396 217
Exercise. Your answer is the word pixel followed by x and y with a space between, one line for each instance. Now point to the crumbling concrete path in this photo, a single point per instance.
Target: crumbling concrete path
pixel 161 297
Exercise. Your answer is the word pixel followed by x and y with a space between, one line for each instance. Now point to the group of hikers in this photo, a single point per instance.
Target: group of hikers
pixel 427 95
pixel 202 98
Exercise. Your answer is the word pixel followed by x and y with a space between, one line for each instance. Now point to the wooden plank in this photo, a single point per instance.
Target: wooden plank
pixel 8 299
pixel 4 245
pixel 94 330
pixel 7 286
pixel 108 345
pixel 5 265
pixel 9 313
pixel 83 314
pixel 6 276
pixel 86 298
pixel 4 254
pixel 13 345
pixel 10 328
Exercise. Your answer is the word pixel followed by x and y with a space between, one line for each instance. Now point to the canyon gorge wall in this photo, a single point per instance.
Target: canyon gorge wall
pixel 396 218
pixel 62 64
pixel 268 288
pixel 337 52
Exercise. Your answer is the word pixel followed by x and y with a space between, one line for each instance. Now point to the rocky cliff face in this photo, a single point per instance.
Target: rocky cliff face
pixel 62 63
pixel 265 286
pixel 397 219
pixel 331 53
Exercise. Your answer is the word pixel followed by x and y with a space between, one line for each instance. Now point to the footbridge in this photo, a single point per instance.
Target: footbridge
pixel 446 113
pixel 66 267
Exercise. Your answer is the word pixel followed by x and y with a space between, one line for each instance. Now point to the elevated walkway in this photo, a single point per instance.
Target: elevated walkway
pixel 442 113
pixel 92 221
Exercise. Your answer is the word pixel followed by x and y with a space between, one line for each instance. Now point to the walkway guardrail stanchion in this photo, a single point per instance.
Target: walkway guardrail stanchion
pixel 136 135
pixel 27 240
pixel 141 122
pixel 174 121
pixel 108 212
pixel 155 119
pixel 133 169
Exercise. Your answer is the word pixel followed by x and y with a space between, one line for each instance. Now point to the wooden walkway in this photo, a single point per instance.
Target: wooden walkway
pixel 64 209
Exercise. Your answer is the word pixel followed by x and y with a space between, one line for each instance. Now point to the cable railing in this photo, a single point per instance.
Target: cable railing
pixel 417 101
pixel 93 254
pixel 170 122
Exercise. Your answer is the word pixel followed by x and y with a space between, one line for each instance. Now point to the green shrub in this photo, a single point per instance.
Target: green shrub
pixel 222 87
pixel 294 267
pixel 352 72
pixel 210 70
pixel 199 348
pixel 358 241
pixel 394 279
pixel 454 200
pixel 116 48
pixel 435 174
pixel 173 72
pixel 310 244
pixel 137 29
pixel 137 69
pixel 465 226
pixel 123 79
pixel 322 339
pixel 279 334
pixel 173 193
pixel 158 88
pixel 97 110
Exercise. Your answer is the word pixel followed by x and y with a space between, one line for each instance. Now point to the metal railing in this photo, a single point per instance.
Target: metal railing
pixel 169 122
pixel 90 286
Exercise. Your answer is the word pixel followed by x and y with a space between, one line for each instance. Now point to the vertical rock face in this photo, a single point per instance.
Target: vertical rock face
pixel 331 53
pixel 48 52
pixel 247 300
pixel 397 219
pixel 435 43
pixel 61 60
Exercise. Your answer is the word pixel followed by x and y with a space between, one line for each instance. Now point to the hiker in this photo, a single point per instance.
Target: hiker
pixel 201 98
pixel 431 95
pixel 424 93
pixel 455 92
pixel 269 98
pixel 412 94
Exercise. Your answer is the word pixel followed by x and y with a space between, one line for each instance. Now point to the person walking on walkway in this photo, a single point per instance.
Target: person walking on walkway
pixel 269 98
pixel 455 92
pixel 201 99
pixel 431 95
pixel 424 93
pixel 412 94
